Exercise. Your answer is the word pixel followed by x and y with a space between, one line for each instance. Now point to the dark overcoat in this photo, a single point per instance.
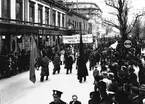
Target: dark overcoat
pixel 82 69
pixel 69 62
pixel 45 69
pixel 60 102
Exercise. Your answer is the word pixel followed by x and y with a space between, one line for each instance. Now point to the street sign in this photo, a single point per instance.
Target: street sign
pixel 127 43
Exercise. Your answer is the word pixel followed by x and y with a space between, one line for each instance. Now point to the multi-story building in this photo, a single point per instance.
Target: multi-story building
pixel 93 12
pixel 46 20
pixel 89 9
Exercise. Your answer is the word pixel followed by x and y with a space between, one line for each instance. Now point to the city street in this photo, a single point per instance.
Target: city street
pixel 19 89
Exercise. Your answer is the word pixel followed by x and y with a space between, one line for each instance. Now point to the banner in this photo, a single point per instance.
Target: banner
pixel 33 57
pixel 74 39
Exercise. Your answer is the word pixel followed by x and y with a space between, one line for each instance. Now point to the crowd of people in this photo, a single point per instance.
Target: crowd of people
pixel 119 74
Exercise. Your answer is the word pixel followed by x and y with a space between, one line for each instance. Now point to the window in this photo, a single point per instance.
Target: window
pixel 40 16
pixel 75 25
pixel 53 17
pixel 19 11
pixel 80 25
pixel 6 9
pixel 69 22
pixel 63 20
pixel 47 16
pixel 59 19
pixel 31 12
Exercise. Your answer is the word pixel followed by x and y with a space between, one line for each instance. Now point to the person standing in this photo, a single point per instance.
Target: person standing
pixel 75 100
pixel 57 97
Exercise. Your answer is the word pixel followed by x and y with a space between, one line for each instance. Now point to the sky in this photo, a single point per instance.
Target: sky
pixel 135 4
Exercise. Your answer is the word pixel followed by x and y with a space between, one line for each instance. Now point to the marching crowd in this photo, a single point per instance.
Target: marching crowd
pixel 119 74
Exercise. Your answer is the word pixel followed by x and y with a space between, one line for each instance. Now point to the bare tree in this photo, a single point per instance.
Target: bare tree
pixel 138 29
pixel 122 9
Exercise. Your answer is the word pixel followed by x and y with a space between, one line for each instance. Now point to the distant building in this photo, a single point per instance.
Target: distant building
pixel 90 10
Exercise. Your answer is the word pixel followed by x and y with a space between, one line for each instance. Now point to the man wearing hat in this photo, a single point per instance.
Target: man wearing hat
pixel 57 97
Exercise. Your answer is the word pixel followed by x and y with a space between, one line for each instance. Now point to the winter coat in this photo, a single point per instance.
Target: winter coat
pixel 44 65
pixel 56 63
pixel 82 69
pixel 69 62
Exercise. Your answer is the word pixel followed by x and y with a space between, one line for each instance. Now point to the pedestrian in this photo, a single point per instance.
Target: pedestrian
pixel 75 100
pixel 56 63
pixel 69 63
pixel 82 71
pixel 57 97
pixel 44 69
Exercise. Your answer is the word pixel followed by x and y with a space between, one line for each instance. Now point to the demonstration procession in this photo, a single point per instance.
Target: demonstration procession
pixel 118 69
pixel 82 45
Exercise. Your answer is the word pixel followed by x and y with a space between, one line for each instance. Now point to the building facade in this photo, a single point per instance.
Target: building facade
pixel 90 10
pixel 46 20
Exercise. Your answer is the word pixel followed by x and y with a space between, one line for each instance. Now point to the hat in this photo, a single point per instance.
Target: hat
pixel 56 92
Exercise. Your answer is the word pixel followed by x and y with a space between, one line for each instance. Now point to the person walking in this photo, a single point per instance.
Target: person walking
pixel 44 69
pixel 56 63
pixel 82 71
pixel 69 63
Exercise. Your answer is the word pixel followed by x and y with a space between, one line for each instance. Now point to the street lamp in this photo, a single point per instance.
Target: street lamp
pixel 3 37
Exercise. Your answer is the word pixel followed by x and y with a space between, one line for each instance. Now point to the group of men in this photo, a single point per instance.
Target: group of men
pixel 57 98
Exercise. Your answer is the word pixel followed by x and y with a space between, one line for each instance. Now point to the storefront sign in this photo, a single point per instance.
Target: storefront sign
pixel 74 39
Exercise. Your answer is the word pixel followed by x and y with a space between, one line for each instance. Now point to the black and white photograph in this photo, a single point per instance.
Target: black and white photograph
pixel 72 51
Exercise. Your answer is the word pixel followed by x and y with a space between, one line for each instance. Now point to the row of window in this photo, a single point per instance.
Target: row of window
pixel 6 11
pixel 46 15
pixel 77 25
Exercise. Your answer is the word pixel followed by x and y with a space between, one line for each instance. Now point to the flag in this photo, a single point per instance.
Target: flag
pixel 81 49
pixel 33 57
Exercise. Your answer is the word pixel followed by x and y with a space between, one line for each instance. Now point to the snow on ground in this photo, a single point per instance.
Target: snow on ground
pixel 19 89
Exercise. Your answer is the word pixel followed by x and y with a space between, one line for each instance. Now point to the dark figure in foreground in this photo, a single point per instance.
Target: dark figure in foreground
pixel 75 100
pixel 57 98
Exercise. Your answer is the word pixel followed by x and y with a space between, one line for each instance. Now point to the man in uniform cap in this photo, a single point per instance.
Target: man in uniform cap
pixel 57 97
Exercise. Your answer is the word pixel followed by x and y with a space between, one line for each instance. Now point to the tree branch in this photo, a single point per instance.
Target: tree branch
pixel 136 18
pixel 111 24
pixel 111 3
